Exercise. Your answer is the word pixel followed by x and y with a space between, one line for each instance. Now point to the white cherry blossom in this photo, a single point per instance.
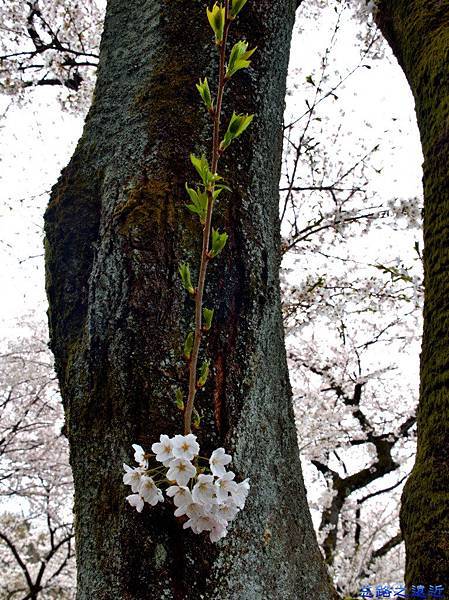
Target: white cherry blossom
pixel 225 485
pixel 240 494
pixel 192 510
pixel 181 471
pixel 218 532
pixel 139 456
pixel 163 450
pixel 208 504
pixel 226 510
pixel 204 490
pixel 132 477
pixel 204 522
pixel 195 510
pixel 181 495
pixel 185 446
pixel 149 491
pixel 218 460
pixel 137 501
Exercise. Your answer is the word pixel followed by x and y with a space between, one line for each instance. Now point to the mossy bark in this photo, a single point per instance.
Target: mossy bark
pixel 418 32
pixel 116 230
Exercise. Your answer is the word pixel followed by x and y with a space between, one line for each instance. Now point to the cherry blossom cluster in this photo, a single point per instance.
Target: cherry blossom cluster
pixel 204 493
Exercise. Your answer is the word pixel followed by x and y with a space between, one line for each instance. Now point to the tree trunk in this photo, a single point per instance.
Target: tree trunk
pixel 116 230
pixel 418 32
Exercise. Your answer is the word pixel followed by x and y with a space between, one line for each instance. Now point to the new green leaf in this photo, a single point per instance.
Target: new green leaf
pixel 196 423
pixel 179 399
pixel 216 17
pixel 238 59
pixel 204 90
pixel 188 345
pixel 202 167
pixel 208 315
pixel 204 373
pixel 237 6
pixel 237 125
pixel 184 271
pixel 218 242
pixel 219 188
pixel 199 203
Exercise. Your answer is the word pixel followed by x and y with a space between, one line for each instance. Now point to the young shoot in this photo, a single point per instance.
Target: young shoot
pixel 205 496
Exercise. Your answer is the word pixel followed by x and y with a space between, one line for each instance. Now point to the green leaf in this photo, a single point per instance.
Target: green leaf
pixel 216 17
pixel 219 188
pixel 179 399
pixel 199 203
pixel 184 271
pixel 218 242
pixel 237 125
pixel 236 7
pixel 188 345
pixel 204 373
pixel 196 422
pixel 208 315
pixel 202 167
pixel 238 59
pixel 204 90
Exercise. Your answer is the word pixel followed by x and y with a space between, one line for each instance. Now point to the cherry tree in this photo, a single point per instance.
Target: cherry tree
pixel 352 316
pixel 36 532
pixel 46 43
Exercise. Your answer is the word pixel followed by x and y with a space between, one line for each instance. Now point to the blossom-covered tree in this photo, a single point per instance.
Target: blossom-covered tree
pixel 48 43
pixel 352 310
pixel 36 531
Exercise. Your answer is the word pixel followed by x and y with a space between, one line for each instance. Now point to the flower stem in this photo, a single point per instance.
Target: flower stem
pixel 206 230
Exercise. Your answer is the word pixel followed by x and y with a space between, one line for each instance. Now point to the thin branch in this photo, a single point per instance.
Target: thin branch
pixel 19 560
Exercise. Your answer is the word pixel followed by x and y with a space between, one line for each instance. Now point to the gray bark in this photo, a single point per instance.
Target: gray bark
pixel 116 229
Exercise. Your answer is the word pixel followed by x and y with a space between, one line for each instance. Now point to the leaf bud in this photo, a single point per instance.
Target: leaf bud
pixel 196 422
pixel 184 271
pixel 204 90
pixel 216 17
pixel 188 345
pixel 204 373
pixel 179 399
pixel 218 242
pixel 236 127
pixel 208 314
pixel 238 59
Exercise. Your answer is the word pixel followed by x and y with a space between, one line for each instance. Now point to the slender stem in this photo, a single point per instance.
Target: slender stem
pixel 206 230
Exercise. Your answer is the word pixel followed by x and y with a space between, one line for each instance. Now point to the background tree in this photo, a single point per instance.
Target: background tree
pixel 36 537
pixel 418 32
pixel 352 309
pixel 47 43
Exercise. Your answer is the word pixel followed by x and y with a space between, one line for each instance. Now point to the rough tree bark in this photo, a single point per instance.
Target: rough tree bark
pixel 116 230
pixel 418 32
